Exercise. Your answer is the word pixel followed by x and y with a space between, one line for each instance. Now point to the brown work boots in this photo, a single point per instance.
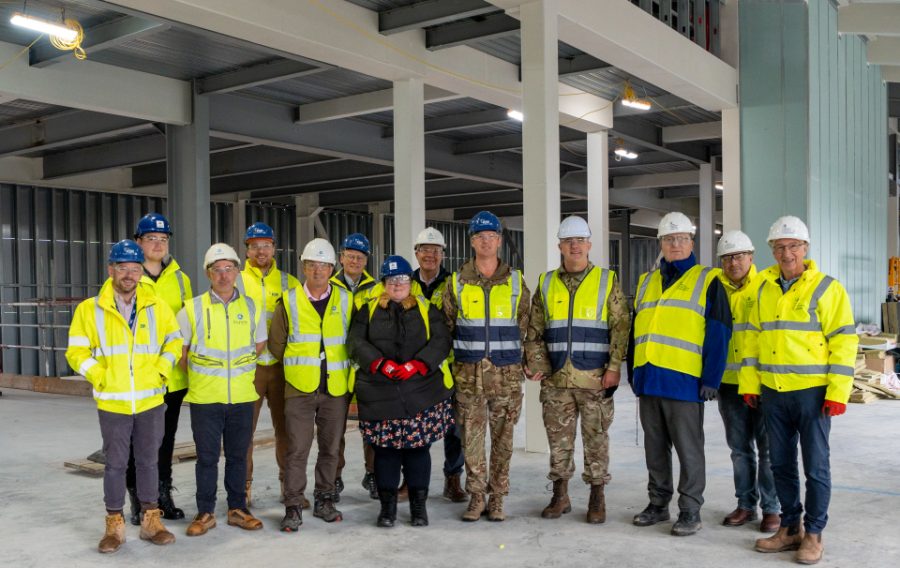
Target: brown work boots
pixel 453 490
pixel 811 549
pixel 476 508
pixel 153 530
pixel 596 513
pixel 115 534
pixel 495 509
pixel 559 503
pixel 786 538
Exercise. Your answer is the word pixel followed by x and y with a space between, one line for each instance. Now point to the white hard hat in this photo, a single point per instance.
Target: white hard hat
pixel 430 236
pixel 675 222
pixel 220 251
pixel 788 227
pixel 733 242
pixel 319 250
pixel 573 226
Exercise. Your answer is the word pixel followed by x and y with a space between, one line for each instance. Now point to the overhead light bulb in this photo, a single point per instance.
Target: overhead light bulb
pixel 719 185
pixel 637 104
pixel 718 231
pixel 43 26
pixel 515 115
pixel 625 153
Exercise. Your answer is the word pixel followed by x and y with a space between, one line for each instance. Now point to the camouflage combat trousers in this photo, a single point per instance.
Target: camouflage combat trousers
pixel 561 408
pixel 490 398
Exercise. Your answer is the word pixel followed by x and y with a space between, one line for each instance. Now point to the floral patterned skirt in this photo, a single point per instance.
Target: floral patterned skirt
pixel 424 428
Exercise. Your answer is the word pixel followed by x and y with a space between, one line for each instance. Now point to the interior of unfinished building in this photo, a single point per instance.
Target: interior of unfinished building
pixel 323 118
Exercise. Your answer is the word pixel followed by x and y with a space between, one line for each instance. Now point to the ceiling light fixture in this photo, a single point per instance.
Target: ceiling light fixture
pixel 515 115
pixel 719 185
pixel 629 99
pixel 622 152
pixel 44 26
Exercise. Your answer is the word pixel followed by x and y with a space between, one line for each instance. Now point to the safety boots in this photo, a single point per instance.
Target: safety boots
pixel 811 549
pixel 596 513
pixel 368 484
pixel 559 503
pixel 388 514
pixel 293 518
pixel 495 508
pixel 153 530
pixel 166 504
pixel 651 515
pixel 476 508
pixel 324 507
pixel 453 489
pixel 417 499
pixel 115 534
pixel 786 538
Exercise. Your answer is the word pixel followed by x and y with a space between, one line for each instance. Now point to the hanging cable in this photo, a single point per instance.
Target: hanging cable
pixel 71 45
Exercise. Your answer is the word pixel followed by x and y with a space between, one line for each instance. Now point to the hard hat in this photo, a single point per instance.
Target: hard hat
pixel 675 222
pixel 152 223
pixel 484 221
pixel 395 265
pixel 220 251
pixel 259 230
pixel 356 241
pixel 430 236
pixel 319 250
pixel 733 242
pixel 573 226
pixel 126 251
pixel 788 227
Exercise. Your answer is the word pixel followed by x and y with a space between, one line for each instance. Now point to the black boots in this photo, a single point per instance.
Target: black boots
pixel 417 499
pixel 388 514
pixel 166 504
pixel 135 507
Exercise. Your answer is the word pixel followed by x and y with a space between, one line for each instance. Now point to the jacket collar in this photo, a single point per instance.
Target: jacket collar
pixel 257 272
pixel 731 288
pixel 107 298
pixel 468 272
pixel 773 273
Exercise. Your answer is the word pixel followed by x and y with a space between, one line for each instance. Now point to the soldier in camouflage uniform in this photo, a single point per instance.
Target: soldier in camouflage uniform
pixel 487 303
pixel 578 362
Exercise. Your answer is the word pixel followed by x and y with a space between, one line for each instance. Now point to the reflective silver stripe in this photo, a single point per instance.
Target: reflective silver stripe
pixel 180 276
pixel 557 324
pixel 698 287
pixel 129 396
pixel 266 357
pixel 601 293
pixel 466 322
pixel 750 362
pixel 239 283
pixel 302 361
pixel 79 341
pixel 545 292
pixel 672 303
pixel 516 290
pixel 172 336
pixel 204 351
pixel 284 281
pixel 669 341
pixel 505 345
pixel 579 346
pixel 643 289
pixel 168 357
pixel 742 327
pixel 844 330
pixel 100 322
pixel 589 323
pixel 306 338
pixel 251 308
pixel 151 330
pixel 732 366
pixel 468 345
pixel 790 326
pixel 295 335
pixel 145 349
pixel 241 369
pixel 86 366
pixel 220 372
pixel 199 336
pixel 808 369
pixel 840 370
pixel 818 293
pixel 332 341
pixel 269 316
pixel 337 366
pixel 110 351
pixel 346 298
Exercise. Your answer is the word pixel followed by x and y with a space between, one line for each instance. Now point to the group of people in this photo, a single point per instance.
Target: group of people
pixel 429 354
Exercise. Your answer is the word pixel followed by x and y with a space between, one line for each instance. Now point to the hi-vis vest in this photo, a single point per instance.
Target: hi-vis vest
pixel 174 288
pixel 423 305
pixel 364 290
pixel 577 325
pixel 307 331
pixel 742 301
pixel 486 324
pixel 265 291
pixel 222 356
pixel 127 370
pixel 670 325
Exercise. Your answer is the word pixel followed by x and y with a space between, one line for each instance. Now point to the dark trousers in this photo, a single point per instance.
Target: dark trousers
pixel 792 417
pixel 120 433
pixel 269 383
pixel 745 433
pixel 454 460
pixel 216 426
pixel 678 423
pixel 326 417
pixel 415 464
pixel 167 446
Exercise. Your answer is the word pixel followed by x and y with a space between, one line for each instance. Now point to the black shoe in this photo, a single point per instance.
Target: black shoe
pixel 293 518
pixel 688 523
pixel 166 504
pixel 388 513
pixel 368 484
pixel 324 507
pixel 651 515
pixel 338 489
pixel 135 507
pixel 417 499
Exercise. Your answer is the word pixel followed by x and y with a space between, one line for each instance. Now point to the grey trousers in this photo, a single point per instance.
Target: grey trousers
pixel 143 431
pixel 678 423
pixel 326 417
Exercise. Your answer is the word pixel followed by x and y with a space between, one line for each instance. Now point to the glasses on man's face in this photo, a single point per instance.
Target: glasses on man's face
pixel 792 248
pixel 486 236
pixel 222 270
pixel 315 265
pixel 676 239
pixel 261 246
pixel 736 257
pixel 399 280
pixel 354 257
pixel 431 250
pixel 155 239
pixel 574 241
pixel 132 270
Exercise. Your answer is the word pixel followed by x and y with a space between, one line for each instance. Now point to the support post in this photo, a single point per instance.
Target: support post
pixel 731 168
pixel 598 196
pixel 706 236
pixel 409 165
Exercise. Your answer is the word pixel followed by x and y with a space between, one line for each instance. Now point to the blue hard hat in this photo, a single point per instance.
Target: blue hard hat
pixel 484 221
pixel 126 251
pixel 259 230
pixel 152 223
pixel 395 265
pixel 356 241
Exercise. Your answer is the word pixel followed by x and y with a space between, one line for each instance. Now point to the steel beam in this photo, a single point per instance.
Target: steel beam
pixel 692 132
pixel 63 129
pixel 97 38
pixel 430 13
pixel 450 122
pixel 298 176
pixel 649 136
pixel 256 75
pixel 491 26
pixel 579 65
pixel 655 181
pixel 507 142
pixel 358 105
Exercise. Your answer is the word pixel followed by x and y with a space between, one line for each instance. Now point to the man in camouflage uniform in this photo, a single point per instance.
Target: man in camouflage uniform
pixel 577 352
pixel 487 303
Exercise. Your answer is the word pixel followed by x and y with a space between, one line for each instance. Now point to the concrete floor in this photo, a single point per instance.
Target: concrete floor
pixel 50 516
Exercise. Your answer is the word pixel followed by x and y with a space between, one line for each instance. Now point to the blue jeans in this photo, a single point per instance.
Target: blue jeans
pixel 745 433
pixel 215 425
pixel 453 454
pixel 792 417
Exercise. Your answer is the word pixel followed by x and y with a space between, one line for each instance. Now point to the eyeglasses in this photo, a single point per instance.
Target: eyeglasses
pixel 155 239
pixel 792 248
pixel 315 265
pixel 676 239
pixel 123 270
pixel 223 270
pixel 399 280
pixel 737 257
pixel 574 241
pixel 430 249
pixel 486 236
pixel 261 246
pixel 353 256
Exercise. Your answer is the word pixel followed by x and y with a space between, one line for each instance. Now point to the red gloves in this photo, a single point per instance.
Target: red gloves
pixel 832 408
pixel 373 368
pixel 410 368
pixel 387 367
pixel 751 400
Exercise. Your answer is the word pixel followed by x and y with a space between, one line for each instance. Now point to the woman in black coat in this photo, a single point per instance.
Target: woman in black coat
pixel 404 403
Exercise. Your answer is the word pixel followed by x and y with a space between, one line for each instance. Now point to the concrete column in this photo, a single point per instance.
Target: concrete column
pixel 239 225
pixel 598 195
pixel 540 148
pixel 306 210
pixel 706 235
pixel 409 165
pixel 187 171
pixel 625 275
pixel 731 168
pixel 378 239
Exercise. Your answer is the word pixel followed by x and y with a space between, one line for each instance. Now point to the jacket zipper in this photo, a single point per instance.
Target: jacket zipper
pixel 487 323
pixel 572 314
pixel 228 349
pixel 131 359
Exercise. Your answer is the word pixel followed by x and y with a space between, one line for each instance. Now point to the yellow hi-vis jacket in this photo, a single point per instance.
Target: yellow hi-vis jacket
pixel 802 338
pixel 487 325
pixel 265 291
pixel 670 325
pixel 307 331
pixel 364 290
pixel 128 371
pixel 222 356
pixel 742 301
